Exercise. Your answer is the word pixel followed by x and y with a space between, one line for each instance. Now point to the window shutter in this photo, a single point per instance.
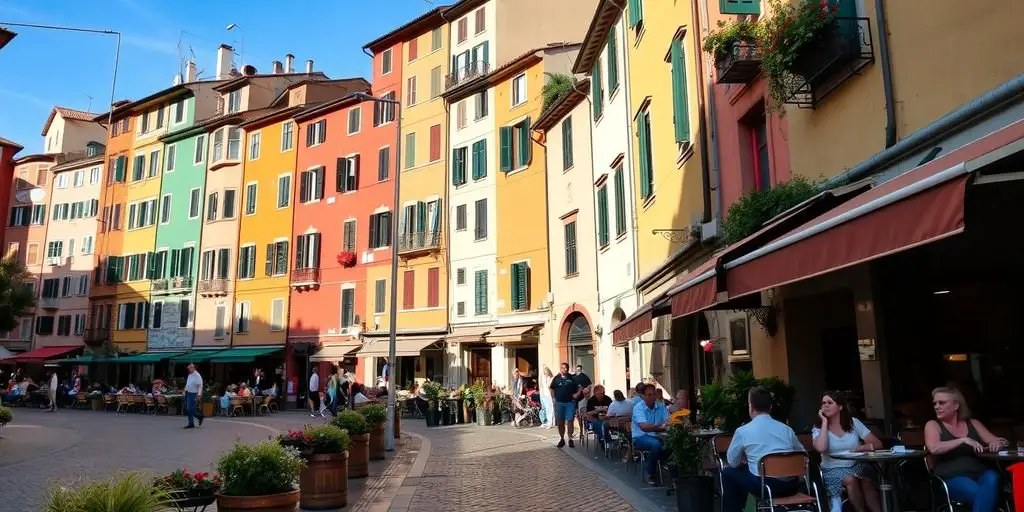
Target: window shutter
pixel 119 168
pixel 320 181
pixel 309 135
pixel 355 172
pixel 567 143
pixel 613 60
pixel 485 57
pixel 636 13
pixel 645 164
pixel 515 287
pixel 304 186
pixel 506 148
pixel 435 222
pixel 409 289
pixel 282 258
pixel 268 269
pixel 680 110
pixel 433 287
pixel 315 249
pixel 341 175
pixel 300 252
pixel 435 142
pixel 524 286
pixel 481 292
pixel 602 216
pixel 151 266
pixel 413 50
pixel 739 6
pixel 174 262
pixel 525 143
pixel 421 216
pixel 595 89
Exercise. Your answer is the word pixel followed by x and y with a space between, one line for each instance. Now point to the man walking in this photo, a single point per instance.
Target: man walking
pixel 314 392
pixel 193 392
pixel 564 389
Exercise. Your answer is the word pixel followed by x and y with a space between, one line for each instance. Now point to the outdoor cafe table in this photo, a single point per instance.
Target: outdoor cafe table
pixel 885 461
pixel 1003 457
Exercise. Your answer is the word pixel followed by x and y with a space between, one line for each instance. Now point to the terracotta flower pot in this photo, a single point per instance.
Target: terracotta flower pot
pixel 324 482
pixel 284 502
pixel 359 456
pixel 208 409
pixel 377 441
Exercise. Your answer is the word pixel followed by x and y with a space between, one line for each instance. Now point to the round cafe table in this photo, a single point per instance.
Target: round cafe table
pixel 1003 456
pixel 885 461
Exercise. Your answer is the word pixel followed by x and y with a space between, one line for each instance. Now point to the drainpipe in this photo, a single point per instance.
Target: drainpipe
pixel 716 171
pixel 593 200
pixel 705 172
pixel 883 50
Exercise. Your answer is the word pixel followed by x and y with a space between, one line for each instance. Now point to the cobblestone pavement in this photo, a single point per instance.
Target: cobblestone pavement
pixel 473 468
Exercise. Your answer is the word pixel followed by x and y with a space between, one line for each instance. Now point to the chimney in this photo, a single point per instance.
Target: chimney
pixel 224 55
pixel 288 60
pixel 191 74
pixel 249 70
pixel 278 67
pixel 309 66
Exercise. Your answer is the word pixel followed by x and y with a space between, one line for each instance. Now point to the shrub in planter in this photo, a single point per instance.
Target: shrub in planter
pixel 131 492
pixel 694 490
pixel 723 42
pixel 6 415
pixel 756 208
pixel 785 35
pixel 324 482
pixel 432 392
pixel 260 476
pixel 190 489
pixel 359 446
pixel 375 415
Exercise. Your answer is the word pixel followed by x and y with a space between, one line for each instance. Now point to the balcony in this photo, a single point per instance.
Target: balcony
pixel 837 54
pixel 466 73
pixel 306 278
pixel 741 66
pixel 213 287
pixel 421 241
pixel 49 302
pixel 178 284
pixel 158 285
pixel 96 336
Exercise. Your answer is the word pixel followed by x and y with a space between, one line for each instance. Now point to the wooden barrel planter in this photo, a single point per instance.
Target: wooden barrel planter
pixel 359 456
pixel 377 441
pixel 324 482
pixel 284 502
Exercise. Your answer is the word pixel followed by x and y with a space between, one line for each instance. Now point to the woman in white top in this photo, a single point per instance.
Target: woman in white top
pixel 547 404
pixel 844 433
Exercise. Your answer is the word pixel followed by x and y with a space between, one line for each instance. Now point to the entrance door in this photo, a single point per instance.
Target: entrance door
pixel 526 361
pixel 480 365
pixel 581 345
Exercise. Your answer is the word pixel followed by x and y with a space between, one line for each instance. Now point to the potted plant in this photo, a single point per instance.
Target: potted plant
pixel 484 408
pixel 6 416
pixel 788 37
pixel 131 491
pixel 324 482
pixel 209 398
pixel 375 415
pixel 730 39
pixel 347 259
pixel 190 489
pixel 359 442
pixel 96 400
pixel 694 490
pixel 174 404
pixel 432 391
pixel 259 477
pixel 467 402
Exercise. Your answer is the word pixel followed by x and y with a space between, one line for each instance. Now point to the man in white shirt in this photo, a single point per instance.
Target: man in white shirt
pixel 193 394
pixel 314 392
pixel 762 436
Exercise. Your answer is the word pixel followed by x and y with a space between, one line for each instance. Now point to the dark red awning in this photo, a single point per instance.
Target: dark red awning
pixel 633 325
pixel 920 206
pixel 42 354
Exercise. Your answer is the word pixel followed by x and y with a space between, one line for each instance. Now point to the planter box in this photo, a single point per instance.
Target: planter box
pixel 208 409
pixel 324 482
pixel 97 403
pixel 359 456
pixel 376 448
pixel 284 502
pixel 694 493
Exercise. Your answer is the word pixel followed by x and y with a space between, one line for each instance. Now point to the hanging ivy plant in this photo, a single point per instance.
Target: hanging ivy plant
pixel 783 34
pixel 757 207
pixel 722 42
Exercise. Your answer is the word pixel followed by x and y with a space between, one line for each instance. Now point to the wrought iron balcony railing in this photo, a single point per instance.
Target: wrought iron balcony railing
pixel 158 285
pixel 213 286
pixel 466 73
pixel 836 54
pixel 741 66
pixel 305 276
pixel 419 241
pixel 180 283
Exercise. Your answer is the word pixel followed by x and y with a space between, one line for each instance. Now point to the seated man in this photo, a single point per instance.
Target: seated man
pixel 595 406
pixel 649 418
pixel 762 436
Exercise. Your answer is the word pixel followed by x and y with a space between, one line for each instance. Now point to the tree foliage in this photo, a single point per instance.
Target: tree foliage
pixel 556 85
pixel 755 208
pixel 16 298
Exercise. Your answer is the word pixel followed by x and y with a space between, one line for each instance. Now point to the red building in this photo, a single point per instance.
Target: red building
pixel 7 151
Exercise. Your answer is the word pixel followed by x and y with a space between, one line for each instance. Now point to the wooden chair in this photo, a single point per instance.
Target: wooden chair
pixel 720 446
pixel 108 401
pixel 80 401
pixel 161 404
pixel 124 403
pixel 265 403
pixel 787 465
pixel 149 405
pixel 271 404
pixel 237 403
pixel 257 405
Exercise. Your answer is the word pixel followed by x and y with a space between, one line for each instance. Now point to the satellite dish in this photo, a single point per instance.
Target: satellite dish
pixel 36 194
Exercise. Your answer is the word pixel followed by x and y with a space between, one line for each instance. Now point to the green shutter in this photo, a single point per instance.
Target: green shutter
pixel 525 143
pixel 119 167
pixel 514 282
pixel 680 110
pixel 421 217
pixel 505 137
pixel 597 94
pixel 567 143
pixel 479 159
pixel 740 6
pixel 458 166
pixel 481 292
pixel 151 265
pixel 613 61
pixel 645 164
pixel 520 290
pixel 602 216
pixel 620 202
pixel 636 12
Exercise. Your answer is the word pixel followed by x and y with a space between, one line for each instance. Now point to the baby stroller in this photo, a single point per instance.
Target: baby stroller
pixel 525 413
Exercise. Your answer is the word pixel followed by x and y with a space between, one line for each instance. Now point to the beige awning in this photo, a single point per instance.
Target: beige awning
pixel 473 334
pixel 336 352
pixel 512 334
pixel 404 346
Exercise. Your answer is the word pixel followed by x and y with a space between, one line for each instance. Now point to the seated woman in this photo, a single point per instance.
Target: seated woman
pixel 358 394
pixel 954 440
pixel 841 432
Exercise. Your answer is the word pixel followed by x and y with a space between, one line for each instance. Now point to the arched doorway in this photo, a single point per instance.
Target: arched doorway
pixel 581 344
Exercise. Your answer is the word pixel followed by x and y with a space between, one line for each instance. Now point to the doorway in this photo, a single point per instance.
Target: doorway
pixel 480 365
pixel 581 344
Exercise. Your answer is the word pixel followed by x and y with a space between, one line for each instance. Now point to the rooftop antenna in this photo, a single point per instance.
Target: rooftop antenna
pixel 89 109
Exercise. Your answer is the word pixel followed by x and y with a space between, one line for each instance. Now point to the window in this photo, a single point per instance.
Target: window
pixel 277 315
pixel 247 262
pixel 379 296
pixel 348 306
pixel 83 285
pixel 169 158
pixel 739 336
pixel 480 291
pixel 758 130
pixel 87 244
pixel 234 101
pixel 420 218
pixel 116 217
pixel 459 166
pixel 740 6
pixel 218 145
pixel 570 248
pixel 38 214
pixel 348 241
pixel 179 111
pixel 184 313
pixel 223 263
pixel 620 202
pixel 307 251
pixel 287 136
pixel 158 314
pixel 44 325
pixel 385 62
pixel 284 191
pixel 254 145
pixel 519 90
pixel 384 111
pixel 680 109
pixel 79 178
pixel 460 217
pixel 636 14
pixel 479 159
pixel 94 175
pixel 138 167
pixel 413 46
pixel 435 39
pixel 433 287
pixel 460 114
pixel 460 308
pixel 460 276
pixel 154 164
pixel 602 215
pixel 480 20
pixel 383 164
pixel 119 169
pixel 51 288
pixel 613 61
pixel 41 177
pixel 220 327
pixel 463 29
pixel 435 82
pixel 480 105
pixel 380 230
pixel 316 133
pixel 200 155
pixel 211 207
pixel 643 132
pixel 409 289
pixel 354 120
pixel 62 180
pixel 165 209
pixel 195 200
pixel 234 143
pixel 145 123
pixel 311 186
pixel 480 221
pixel 55 249
pixel 160 117
pixel 515 146
pixel 410 150
pixel 567 143
pixel 520 286
pixel 277 259
pixel 79 324
pixel 125 125
pixel 229 204
pixel 347 174
pixel 410 88
pixel 596 89
pixel 250 199
pixel 435 143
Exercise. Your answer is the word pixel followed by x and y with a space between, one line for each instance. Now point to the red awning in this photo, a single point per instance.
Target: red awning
pixel 920 206
pixel 633 325
pixel 696 293
pixel 42 354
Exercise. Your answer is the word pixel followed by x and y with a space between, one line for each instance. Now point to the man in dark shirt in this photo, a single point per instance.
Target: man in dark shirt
pixel 597 404
pixel 565 391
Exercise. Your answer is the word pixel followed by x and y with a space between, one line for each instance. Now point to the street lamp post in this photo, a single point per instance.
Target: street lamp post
pixel 389 426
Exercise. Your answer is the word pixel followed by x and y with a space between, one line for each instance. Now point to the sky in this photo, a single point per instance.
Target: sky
pixel 43 68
